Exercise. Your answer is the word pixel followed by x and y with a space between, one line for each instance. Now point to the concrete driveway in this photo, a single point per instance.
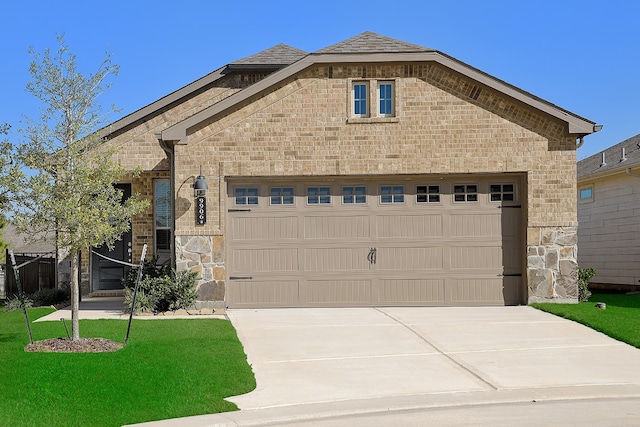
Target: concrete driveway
pixel 356 363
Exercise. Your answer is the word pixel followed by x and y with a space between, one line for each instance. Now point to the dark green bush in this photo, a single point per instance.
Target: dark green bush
pixel 47 297
pixel 163 291
pixel 584 276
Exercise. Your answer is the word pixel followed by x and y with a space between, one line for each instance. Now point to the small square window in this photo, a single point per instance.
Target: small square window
pixel 282 196
pixel 586 194
pixel 428 194
pixel 392 194
pixel 360 99
pixel 246 196
pixel 354 195
pixel 386 99
pixel 465 193
pixel 502 192
pixel 319 195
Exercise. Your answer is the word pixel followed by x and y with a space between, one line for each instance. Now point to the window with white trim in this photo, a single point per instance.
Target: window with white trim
pixel 465 193
pixel 282 195
pixel 428 194
pixel 318 195
pixel 386 99
pixel 392 194
pixel 360 96
pixel 502 192
pixel 354 195
pixel 246 196
pixel 162 215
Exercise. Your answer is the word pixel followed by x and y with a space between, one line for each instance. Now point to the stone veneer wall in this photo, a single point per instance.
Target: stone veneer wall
pixel 552 266
pixel 204 255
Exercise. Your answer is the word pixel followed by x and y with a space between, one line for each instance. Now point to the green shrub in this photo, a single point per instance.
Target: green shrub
pixel 150 268
pixel 584 276
pixel 48 297
pixel 172 291
pixel 13 303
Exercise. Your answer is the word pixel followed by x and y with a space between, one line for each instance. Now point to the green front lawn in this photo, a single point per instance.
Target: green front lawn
pixel 620 320
pixel 170 368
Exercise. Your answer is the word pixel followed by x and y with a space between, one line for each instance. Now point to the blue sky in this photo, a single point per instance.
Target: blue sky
pixel 583 56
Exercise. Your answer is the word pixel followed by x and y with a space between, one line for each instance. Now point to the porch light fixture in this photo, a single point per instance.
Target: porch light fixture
pixel 200 185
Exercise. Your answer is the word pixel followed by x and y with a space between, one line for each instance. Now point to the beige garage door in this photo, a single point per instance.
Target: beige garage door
pixel 417 241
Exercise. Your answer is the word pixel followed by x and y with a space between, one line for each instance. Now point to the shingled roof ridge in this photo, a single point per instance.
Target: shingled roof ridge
pixel 369 42
pixel 280 54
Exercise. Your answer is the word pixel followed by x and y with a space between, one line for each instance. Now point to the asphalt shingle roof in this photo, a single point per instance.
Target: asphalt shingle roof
pixel 613 158
pixel 369 42
pixel 281 54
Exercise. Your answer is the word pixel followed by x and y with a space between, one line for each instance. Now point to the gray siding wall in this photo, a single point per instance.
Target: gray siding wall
pixel 609 229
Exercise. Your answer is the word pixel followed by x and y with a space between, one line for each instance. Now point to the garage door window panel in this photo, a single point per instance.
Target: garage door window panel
pixel 392 194
pixel 428 194
pixel 356 195
pixel 502 193
pixel 464 193
pixel 319 195
pixel 282 196
pixel 246 196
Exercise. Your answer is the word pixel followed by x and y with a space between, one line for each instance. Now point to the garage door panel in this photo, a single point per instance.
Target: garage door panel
pixel 410 258
pixel 265 260
pixel 337 227
pixel 249 293
pixel 476 225
pixel 411 291
pixel 265 228
pixel 337 292
pixel 480 257
pixel 409 226
pixel 475 290
pixel 336 259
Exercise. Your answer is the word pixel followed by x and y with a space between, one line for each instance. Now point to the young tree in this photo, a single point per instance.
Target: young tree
pixel 10 174
pixel 70 192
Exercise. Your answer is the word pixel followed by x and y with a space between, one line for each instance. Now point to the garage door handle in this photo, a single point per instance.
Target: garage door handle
pixel 240 277
pixel 372 257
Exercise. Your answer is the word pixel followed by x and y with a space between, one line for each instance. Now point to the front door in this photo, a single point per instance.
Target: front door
pixel 105 274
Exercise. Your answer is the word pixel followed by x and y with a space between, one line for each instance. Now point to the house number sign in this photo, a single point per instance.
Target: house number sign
pixel 201 210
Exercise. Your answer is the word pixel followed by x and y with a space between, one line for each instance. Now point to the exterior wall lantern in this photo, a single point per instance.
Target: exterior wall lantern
pixel 200 185
pixel 200 188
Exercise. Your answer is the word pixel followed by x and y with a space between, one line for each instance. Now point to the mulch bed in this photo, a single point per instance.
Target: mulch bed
pixel 83 345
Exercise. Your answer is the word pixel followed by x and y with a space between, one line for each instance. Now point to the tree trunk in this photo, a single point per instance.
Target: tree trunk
pixel 75 297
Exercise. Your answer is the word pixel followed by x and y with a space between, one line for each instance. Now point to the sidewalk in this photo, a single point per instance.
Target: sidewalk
pixel 113 308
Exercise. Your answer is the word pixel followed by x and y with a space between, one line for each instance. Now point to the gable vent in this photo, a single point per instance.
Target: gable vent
pixel 475 93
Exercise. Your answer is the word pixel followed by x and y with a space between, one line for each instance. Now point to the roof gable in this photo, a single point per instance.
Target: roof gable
pixel 282 62
pixel 369 42
pixel 613 159
pixel 280 54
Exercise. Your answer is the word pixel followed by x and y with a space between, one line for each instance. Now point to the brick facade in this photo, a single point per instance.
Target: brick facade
pixel 445 123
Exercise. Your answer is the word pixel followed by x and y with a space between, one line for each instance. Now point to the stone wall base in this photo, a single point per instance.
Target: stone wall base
pixel 552 267
pixel 204 255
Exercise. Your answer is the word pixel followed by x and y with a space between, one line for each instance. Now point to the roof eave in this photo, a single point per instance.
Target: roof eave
pixel 576 125
pixel 161 103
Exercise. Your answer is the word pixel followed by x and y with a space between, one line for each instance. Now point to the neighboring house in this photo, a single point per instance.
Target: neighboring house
pixel 369 173
pixel 608 212
pixel 36 275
